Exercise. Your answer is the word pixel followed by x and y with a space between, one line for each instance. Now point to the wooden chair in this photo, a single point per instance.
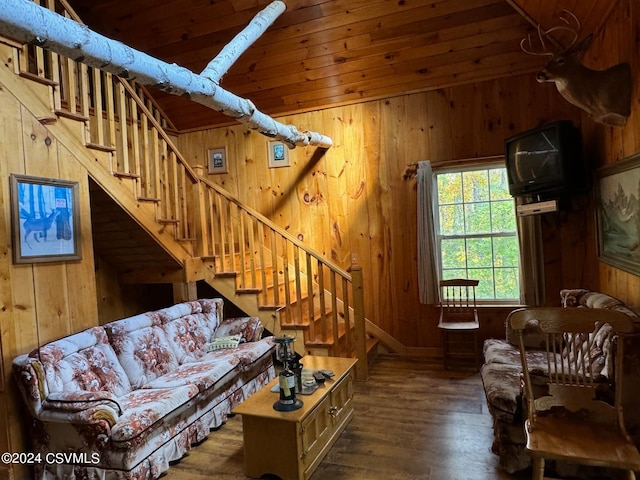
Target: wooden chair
pixel 574 408
pixel 459 322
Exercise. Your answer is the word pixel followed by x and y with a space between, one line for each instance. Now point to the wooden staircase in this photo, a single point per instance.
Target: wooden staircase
pixel 124 141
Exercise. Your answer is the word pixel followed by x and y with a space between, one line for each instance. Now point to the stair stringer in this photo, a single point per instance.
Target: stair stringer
pixel 36 98
pixel 247 302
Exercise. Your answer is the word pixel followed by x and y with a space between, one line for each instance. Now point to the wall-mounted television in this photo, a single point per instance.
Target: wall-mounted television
pixel 546 162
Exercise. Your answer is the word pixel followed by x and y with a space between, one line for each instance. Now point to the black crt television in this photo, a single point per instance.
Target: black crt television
pixel 546 162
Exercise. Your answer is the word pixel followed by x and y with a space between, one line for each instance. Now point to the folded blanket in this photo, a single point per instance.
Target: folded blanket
pixel 230 341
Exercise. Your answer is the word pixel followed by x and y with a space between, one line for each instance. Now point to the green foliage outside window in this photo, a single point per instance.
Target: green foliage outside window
pixel 477 231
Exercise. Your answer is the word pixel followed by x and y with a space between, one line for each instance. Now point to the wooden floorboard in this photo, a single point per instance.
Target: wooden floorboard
pixel 413 421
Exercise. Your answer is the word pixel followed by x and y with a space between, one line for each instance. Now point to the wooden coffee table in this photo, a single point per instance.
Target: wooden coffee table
pixel 291 445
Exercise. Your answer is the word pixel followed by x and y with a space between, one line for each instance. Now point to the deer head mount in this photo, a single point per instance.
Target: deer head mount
pixel 604 94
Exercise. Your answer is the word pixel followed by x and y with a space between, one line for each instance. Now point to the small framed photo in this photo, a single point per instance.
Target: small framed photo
pixel 217 160
pixel 278 154
pixel 45 219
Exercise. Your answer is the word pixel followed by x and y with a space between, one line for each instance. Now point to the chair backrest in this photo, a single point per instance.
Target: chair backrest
pixel 458 300
pixel 579 371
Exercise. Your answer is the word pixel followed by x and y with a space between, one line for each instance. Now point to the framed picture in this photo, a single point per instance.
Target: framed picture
pixel 278 154
pixel 618 214
pixel 217 160
pixel 45 219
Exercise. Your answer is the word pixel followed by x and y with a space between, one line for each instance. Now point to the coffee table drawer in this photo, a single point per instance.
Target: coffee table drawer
pixel 315 430
pixel 341 400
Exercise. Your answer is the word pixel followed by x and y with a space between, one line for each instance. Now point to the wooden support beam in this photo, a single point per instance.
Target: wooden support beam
pixel 184 292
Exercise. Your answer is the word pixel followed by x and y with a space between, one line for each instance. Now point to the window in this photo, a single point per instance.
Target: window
pixel 476 231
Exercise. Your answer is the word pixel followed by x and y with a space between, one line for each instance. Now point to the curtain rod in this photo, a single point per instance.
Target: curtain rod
pixel 465 161
pixel 412 168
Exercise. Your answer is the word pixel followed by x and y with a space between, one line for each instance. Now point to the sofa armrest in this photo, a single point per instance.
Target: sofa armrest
pixel 80 400
pixel 29 375
pixel 250 328
pixel 99 409
pixel 99 419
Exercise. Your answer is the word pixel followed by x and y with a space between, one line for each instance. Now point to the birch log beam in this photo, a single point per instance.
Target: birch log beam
pixel 236 47
pixel 27 22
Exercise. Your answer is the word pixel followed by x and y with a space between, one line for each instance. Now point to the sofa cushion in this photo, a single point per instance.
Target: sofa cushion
pixel 203 374
pixel 246 354
pixel 143 350
pixel 502 387
pixel 197 320
pixel 531 336
pixel 84 361
pixel 601 352
pixel 579 297
pixel 142 408
pixel 179 310
pixel 188 336
pixel 502 352
pixel 250 328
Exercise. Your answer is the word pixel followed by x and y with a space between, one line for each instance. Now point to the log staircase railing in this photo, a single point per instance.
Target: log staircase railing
pixel 307 290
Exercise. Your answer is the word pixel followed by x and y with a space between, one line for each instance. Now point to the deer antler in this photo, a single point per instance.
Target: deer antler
pixel 546 34
pixel 529 50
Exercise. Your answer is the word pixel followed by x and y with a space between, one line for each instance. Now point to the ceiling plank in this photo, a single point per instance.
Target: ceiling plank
pixel 325 52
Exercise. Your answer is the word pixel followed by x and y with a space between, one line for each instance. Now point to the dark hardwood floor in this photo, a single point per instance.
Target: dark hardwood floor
pixel 413 421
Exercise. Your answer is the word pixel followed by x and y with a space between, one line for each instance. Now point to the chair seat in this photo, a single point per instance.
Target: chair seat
pixel 584 442
pixel 459 325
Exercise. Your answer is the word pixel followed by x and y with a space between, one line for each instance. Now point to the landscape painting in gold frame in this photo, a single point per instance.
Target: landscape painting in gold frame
pixel 618 214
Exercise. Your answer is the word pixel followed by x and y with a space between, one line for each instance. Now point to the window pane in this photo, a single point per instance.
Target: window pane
pixel 451 219
pixel 477 231
pixel 502 216
pixel 453 254
pixel 454 273
pixel 479 253
pixel 477 218
pixel 485 289
pixel 476 186
pixel 507 283
pixel 506 252
pixel 449 188
pixel 499 184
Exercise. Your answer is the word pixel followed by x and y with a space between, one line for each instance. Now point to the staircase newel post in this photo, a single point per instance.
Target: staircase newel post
pixel 362 368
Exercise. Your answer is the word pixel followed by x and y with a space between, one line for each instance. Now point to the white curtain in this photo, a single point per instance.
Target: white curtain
pixel 531 261
pixel 427 266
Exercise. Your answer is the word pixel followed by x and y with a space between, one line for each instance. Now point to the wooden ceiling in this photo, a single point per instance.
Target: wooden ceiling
pixel 321 53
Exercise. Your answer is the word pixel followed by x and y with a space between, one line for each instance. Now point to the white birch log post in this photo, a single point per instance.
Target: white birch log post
pixel 27 22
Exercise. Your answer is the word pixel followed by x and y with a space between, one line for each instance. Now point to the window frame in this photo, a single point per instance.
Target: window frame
pixel 439 236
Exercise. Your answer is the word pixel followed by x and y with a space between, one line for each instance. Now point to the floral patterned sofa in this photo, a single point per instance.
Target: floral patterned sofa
pixel 501 378
pixel 133 395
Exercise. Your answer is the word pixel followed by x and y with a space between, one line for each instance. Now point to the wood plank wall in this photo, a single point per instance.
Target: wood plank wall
pixel 351 201
pixel 354 201
pixel 39 302
pixel 619 41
